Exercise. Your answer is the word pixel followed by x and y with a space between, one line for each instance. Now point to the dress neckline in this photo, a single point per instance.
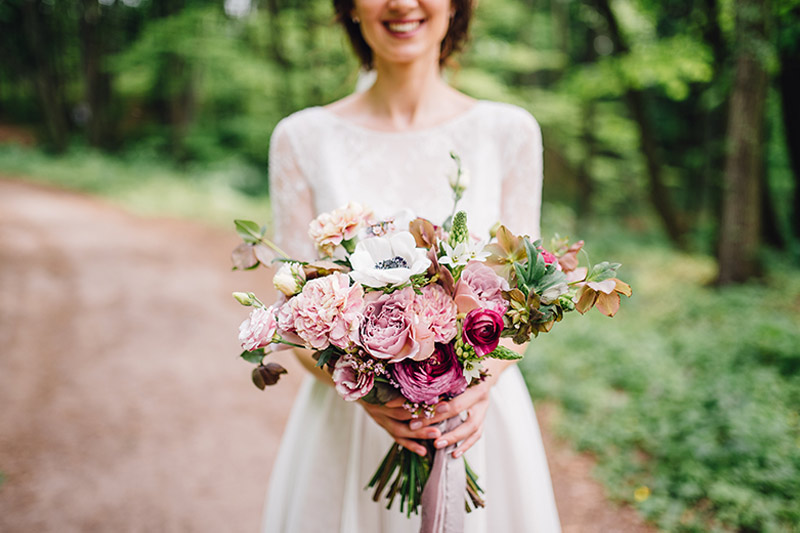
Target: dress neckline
pixel 430 129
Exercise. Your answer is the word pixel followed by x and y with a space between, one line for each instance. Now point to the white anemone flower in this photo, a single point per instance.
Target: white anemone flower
pixel 388 261
pixel 463 253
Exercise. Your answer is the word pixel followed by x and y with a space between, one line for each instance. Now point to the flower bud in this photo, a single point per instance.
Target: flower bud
pixel 290 279
pixel 459 180
pixel 244 298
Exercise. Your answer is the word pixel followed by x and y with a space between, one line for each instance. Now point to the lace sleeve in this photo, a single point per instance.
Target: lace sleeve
pixel 522 183
pixel 291 197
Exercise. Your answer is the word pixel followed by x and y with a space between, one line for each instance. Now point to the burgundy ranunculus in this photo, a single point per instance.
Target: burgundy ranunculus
pixel 482 328
pixel 425 381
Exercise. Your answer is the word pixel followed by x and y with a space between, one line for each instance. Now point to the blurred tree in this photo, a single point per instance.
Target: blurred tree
pixel 42 43
pixel 635 100
pixel 95 34
pixel 740 230
pixel 788 44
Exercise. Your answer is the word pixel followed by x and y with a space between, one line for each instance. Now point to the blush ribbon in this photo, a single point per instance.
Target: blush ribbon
pixel 443 496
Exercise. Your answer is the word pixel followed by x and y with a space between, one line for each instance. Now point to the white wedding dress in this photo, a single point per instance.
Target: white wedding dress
pixel 331 448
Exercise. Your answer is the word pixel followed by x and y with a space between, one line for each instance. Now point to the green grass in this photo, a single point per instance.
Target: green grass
pixel 690 394
pixel 145 185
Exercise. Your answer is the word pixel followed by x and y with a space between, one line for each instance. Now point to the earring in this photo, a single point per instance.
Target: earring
pixel 356 20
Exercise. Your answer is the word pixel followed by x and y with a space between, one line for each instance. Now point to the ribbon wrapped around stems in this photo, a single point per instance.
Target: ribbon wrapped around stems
pixel 443 496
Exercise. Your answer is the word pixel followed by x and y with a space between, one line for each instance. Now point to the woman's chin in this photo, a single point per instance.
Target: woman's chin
pixel 407 56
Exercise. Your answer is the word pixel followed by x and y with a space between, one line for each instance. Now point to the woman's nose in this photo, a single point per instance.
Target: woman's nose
pixel 403 4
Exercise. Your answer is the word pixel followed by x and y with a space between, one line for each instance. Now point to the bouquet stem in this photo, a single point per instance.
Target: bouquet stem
pixel 405 473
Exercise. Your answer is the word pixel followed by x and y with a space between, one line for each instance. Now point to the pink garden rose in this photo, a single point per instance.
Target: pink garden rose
pixel 330 229
pixel 352 380
pixel 482 328
pixel 437 309
pixel 391 330
pixel 426 381
pixel 259 328
pixel 327 311
pixel 480 286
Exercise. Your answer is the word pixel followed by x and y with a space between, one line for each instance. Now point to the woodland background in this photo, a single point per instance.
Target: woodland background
pixel 672 139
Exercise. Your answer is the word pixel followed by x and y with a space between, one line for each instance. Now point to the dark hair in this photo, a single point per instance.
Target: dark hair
pixel 453 41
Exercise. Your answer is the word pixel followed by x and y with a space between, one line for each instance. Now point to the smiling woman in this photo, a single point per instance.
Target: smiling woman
pixel 389 148
pixel 448 24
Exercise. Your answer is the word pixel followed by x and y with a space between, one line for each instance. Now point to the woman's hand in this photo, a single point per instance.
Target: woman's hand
pixel 393 417
pixel 475 401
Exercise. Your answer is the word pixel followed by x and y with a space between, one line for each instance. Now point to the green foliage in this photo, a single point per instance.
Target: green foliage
pixel 255 356
pixel 690 391
pixel 501 352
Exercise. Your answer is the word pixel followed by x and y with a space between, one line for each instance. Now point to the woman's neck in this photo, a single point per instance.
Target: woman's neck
pixel 404 97
pixel 408 96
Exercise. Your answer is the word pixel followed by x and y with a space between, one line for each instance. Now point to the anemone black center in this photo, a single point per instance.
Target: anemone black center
pixel 394 262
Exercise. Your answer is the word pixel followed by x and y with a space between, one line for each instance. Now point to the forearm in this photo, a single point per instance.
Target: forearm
pixel 497 366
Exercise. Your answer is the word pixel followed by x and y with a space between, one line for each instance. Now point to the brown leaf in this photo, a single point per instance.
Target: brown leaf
pixel 534 300
pixel 423 231
pixel 623 288
pixel 269 374
pixel 586 299
pixel 445 278
pixel 608 304
pixel 546 326
pixel 569 259
pixel 243 257
pixel 514 295
pixel 321 268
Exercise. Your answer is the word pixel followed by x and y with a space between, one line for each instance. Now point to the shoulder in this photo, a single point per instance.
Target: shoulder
pixel 297 125
pixel 509 118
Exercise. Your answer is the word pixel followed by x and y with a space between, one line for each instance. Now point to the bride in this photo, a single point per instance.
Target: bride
pixel 388 148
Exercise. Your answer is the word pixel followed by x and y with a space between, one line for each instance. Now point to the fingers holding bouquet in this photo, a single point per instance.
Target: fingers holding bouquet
pixel 393 417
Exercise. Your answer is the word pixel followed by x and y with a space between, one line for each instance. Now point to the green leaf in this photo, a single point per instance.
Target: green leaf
pixel 248 230
pixel 603 271
pixel 501 352
pixel 254 356
pixel 382 392
pixel 324 355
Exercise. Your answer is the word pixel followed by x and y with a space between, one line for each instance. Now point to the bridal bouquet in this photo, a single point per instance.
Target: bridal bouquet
pixel 402 307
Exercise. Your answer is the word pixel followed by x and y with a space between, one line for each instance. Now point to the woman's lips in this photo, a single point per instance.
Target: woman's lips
pixel 403 28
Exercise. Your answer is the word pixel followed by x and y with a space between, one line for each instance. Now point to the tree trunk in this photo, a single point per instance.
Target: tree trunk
pixel 659 194
pixel 770 227
pixel 740 230
pixel 44 77
pixel 97 81
pixel 789 85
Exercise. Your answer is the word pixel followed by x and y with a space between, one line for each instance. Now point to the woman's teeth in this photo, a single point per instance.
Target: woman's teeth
pixel 403 27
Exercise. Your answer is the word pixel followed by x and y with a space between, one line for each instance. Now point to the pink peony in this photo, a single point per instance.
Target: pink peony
pixel 391 330
pixel 326 311
pixel 482 328
pixel 328 230
pixel 438 310
pixel 352 379
pixel 480 286
pixel 425 381
pixel 259 328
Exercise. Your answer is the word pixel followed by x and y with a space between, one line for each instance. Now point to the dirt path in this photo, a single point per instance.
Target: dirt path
pixel 123 405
